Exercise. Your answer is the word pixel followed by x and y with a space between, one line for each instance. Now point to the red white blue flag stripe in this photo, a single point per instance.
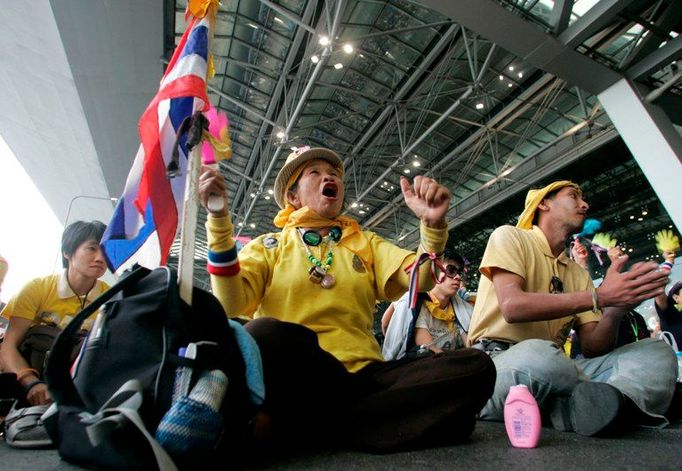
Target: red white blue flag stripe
pixel 146 217
pixel 413 270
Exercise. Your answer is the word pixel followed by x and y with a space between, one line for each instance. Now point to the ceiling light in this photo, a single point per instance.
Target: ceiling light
pixel 354 205
pixel 278 20
pixel 270 191
pixel 510 85
pixel 479 106
pixel 315 59
pixel 511 68
pixel 670 226
pixel 640 219
pixel 253 26
pixel 241 224
pixel 252 195
pixel 386 183
pixel 645 212
pixel 632 217
pixel 520 74
pixel 407 171
pixel 338 66
pixel 252 226
pixel 347 48
pixel 280 135
pixel 501 77
pixel 629 250
pixel 416 163
pixel 324 40
pixel 362 211
pixel 267 197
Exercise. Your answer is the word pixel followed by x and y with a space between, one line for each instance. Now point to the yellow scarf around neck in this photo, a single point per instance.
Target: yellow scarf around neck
pixel 352 237
pixel 445 315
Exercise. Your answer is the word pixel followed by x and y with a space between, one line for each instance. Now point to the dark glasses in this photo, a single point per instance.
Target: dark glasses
pixel 452 271
pixel 556 285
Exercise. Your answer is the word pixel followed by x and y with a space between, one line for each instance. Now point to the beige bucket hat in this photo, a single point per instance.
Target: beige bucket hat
pixel 297 158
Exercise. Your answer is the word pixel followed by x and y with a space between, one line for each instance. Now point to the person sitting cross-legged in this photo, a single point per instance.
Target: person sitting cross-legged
pixel 530 297
pixel 311 289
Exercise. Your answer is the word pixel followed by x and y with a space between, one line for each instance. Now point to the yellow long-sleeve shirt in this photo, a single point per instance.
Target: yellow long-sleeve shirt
pixel 273 281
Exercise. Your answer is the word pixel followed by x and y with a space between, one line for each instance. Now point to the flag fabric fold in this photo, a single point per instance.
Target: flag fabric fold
pixel 145 220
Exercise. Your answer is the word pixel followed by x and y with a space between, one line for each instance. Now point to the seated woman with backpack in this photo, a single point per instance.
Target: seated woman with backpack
pixel 311 289
pixel 48 302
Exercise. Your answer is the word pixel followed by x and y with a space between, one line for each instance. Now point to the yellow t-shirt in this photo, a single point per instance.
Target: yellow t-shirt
pixel 49 299
pixel 527 254
pixel 273 281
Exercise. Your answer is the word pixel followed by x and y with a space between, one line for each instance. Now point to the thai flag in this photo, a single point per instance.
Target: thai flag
pixel 146 217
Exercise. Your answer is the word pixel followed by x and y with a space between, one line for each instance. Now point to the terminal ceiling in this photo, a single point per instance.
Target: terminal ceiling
pixel 403 89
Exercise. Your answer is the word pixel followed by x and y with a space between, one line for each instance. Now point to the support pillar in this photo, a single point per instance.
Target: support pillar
pixel 653 140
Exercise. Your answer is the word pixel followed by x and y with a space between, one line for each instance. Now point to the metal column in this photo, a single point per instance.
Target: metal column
pixel 654 142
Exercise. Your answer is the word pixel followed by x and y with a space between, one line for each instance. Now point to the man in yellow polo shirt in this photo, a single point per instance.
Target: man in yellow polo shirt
pixel 530 297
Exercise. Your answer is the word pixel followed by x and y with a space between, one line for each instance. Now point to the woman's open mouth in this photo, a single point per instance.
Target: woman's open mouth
pixel 330 190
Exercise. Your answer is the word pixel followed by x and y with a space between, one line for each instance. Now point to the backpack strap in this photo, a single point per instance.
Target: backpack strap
pixel 59 381
pixel 409 343
pixel 121 407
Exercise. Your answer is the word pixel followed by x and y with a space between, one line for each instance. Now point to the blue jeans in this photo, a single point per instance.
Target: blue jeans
pixel 644 371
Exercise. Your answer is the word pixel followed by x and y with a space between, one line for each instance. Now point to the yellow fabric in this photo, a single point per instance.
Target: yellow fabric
pixel 49 294
pixel 527 254
pixel 222 145
pixel 535 197
pixel 199 8
pixel 351 238
pixel 274 282
pixel 283 215
pixel 446 315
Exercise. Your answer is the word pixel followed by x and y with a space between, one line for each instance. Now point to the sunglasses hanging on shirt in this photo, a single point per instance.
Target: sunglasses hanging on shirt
pixel 556 285
pixel 314 238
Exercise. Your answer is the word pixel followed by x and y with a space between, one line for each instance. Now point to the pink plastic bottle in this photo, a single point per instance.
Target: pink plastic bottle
pixel 522 417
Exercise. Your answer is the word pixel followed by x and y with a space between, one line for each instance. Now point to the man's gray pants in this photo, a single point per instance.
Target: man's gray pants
pixel 645 371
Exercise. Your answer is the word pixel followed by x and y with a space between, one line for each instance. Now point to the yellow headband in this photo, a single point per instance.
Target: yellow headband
pixel 282 216
pixel 535 197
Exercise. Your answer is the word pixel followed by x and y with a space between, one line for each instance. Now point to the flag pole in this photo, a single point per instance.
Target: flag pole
pixel 188 226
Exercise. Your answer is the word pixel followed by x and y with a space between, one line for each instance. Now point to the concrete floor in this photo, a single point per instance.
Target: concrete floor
pixel 488 448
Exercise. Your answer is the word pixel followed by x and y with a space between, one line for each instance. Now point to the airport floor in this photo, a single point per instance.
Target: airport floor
pixel 488 448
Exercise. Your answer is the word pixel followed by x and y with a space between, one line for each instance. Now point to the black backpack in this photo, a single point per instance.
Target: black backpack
pixel 137 336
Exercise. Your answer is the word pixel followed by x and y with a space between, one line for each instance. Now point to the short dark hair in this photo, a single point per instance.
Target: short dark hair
pixel 78 232
pixel 450 254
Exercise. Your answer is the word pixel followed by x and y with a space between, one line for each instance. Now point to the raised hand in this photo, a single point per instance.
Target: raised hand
pixel 628 289
pixel 212 183
pixel 427 199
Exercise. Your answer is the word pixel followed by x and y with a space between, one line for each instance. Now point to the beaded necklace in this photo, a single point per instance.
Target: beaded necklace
pixel 319 271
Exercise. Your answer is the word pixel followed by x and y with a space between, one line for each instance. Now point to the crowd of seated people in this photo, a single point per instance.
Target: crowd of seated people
pixel 310 289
